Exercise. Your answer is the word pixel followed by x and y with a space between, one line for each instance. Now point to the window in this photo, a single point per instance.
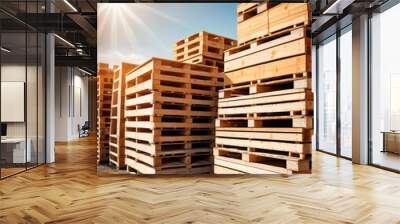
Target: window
pixel 327 95
pixel 346 92
pixel 385 89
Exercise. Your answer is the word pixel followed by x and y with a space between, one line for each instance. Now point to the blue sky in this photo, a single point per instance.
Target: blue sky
pixel 135 32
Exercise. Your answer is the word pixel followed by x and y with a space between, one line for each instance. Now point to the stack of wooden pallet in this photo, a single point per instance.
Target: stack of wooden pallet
pixel 203 48
pixel 170 112
pixel 117 126
pixel 104 88
pixel 265 110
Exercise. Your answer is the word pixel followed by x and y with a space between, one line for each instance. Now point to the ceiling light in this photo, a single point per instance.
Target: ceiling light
pixel 337 7
pixel 84 71
pixel 5 50
pixel 64 40
pixel 70 5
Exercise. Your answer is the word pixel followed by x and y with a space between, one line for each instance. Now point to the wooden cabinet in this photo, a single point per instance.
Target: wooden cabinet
pixel 391 142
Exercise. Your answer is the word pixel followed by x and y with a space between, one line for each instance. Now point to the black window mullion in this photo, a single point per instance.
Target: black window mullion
pixel 316 76
pixel 37 90
pixel 369 95
pixel 26 87
pixel 338 98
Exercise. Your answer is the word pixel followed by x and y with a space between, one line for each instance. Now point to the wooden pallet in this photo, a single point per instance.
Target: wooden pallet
pixel 257 20
pixel 104 89
pixel 280 150
pixel 202 43
pixel 258 165
pixel 270 86
pixel 173 166
pixel 117 125
pixel 270 48
pixel 272 70
pixel 201 59
pixel 264 129
pixel 168 157
pixel 298 103
pixel 265 110
pixel 170 110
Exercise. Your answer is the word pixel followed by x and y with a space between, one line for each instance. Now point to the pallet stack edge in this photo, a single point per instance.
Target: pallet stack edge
pixel 104 88
pixel 170 111
pixel 265 110
pixel 117 116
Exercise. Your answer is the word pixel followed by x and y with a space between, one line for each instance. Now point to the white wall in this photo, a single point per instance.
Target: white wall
pixel 16 73
pixel 71 102
pixel 61 103
pixel 80 109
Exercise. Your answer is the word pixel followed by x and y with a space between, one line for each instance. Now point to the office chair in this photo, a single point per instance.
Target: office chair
pixel 84 130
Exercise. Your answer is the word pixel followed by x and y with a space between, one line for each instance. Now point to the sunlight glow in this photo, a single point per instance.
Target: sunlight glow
pixel 118 26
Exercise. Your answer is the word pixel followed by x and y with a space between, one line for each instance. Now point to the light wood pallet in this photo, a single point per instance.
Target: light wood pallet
pixel 170 110
pixel 202 43
pixel 265 110
pixel 117 126
pixel 272 70
pixel 256 20
pixel 203 48
pixel 104 86
pixel 268 130
pixel 285 44
pixel 249 113
pixel 265 125
pixel 201 59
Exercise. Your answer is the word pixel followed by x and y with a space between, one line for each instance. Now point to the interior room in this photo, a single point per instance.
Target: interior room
pixel 236 112
pixel 22 102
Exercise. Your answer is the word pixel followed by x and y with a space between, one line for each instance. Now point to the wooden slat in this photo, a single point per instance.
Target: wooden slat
pixel 293 65
pixel 278 107
pixel 293 48
pixel 296 137
pixel 278 146
pixel 265 43
pixel 248 167
pixel 256 99
pixel 288 14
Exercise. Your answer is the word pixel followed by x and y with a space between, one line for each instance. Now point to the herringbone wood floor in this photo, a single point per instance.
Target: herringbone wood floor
pixel 69 191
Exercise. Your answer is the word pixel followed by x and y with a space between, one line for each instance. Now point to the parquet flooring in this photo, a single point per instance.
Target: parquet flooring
pixel 69 191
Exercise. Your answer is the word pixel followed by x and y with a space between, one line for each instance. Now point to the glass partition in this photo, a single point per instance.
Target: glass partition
pixel 13 121
pixel 22 88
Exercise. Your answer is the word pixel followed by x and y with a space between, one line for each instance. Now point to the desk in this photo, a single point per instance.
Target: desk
pixel 391 141
pixel 17 152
